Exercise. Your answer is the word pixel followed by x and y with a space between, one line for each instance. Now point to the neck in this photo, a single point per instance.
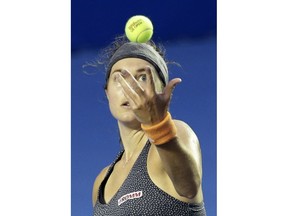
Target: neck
pixel 132 139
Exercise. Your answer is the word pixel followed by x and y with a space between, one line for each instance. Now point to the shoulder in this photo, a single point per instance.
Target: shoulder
pixel 186 133
pixel 97 183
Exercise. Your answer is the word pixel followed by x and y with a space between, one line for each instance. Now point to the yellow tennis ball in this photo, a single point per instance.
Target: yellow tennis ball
pixel 139 29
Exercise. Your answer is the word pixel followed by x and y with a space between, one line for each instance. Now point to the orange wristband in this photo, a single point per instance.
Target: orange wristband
pixel 161 132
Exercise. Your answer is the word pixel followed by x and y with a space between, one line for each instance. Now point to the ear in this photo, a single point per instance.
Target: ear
pixel 106 92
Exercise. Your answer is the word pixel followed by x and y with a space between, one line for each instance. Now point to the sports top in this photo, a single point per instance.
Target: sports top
pixel 138 195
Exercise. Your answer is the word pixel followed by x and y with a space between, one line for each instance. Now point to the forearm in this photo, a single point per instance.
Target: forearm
pixel 179 151
pixel 182 168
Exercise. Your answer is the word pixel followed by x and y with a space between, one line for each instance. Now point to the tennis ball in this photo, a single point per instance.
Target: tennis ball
pixel 139 29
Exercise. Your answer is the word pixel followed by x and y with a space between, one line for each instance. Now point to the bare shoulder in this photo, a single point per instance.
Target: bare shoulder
pixel 97 183
pixel 186 133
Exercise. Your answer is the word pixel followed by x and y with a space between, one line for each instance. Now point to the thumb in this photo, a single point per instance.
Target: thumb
pixel 170 87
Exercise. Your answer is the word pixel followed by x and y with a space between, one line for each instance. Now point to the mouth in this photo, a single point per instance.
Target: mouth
pixel 125 104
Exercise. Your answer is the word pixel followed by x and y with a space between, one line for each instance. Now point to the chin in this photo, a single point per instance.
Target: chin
pixel 128 119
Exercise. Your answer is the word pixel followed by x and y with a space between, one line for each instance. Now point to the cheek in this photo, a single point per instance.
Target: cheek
pixel 113 93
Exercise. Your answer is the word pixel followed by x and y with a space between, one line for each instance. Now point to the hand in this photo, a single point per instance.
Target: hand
pixel 148 106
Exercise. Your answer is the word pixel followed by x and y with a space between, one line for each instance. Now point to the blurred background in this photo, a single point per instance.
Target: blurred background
pixel 187 29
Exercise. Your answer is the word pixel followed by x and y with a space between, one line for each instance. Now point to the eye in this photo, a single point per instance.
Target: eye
pixel 142 78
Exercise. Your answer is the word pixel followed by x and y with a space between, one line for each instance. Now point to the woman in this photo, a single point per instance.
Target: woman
pixel 159 172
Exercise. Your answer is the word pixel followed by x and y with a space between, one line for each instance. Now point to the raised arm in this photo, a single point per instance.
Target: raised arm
pixel 176 143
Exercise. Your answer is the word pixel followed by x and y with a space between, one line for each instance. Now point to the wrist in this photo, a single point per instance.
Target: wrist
pixel 161 132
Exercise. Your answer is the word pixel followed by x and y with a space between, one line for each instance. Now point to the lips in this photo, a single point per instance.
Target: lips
pixel 125 104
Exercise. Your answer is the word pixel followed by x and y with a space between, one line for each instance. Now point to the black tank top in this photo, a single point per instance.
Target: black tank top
pixel 138 195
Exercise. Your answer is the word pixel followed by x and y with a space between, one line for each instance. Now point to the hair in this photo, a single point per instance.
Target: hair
pixel 106 54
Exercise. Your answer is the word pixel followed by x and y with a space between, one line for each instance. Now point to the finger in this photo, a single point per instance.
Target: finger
pixel 132 82
pixel 170 87
pixel 150 80
pixel 128 91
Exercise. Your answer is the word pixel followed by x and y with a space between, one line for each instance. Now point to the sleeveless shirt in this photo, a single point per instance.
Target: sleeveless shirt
pixel 138 195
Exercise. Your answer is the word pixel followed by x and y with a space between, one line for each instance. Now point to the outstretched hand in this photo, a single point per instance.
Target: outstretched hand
pixel 148 106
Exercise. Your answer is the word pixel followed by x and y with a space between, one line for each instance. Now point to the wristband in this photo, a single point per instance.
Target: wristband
pixel 161 132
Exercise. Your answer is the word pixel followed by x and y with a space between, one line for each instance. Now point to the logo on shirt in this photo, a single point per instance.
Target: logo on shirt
pixel 130 196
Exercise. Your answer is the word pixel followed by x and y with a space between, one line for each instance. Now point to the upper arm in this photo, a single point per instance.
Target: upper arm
pixel 189 140
pixel 179 162
pixel 97 183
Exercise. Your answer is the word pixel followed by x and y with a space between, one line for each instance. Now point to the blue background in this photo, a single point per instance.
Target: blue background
pixel 187 29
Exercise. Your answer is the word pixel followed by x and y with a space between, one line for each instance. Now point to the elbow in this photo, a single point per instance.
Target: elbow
pixel 190 190
pixel 189 194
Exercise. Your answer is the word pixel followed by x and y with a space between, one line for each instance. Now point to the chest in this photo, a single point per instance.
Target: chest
pixel 134 176
pixel 115 181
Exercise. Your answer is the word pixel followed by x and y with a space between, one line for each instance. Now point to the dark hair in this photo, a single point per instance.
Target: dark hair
pixel 106 53
pixel 109 51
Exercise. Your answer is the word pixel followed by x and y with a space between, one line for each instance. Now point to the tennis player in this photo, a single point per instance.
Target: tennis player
pixel 159 170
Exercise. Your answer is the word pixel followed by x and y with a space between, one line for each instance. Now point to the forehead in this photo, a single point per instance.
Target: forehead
pixel 131 63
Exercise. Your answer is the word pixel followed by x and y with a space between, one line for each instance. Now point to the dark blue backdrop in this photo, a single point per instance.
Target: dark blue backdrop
pixel 188 31
pixel 96 22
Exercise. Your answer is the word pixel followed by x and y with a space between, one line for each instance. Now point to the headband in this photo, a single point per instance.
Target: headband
pixel 142 51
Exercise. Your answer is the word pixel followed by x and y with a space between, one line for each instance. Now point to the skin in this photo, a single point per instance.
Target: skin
pixel 136 96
